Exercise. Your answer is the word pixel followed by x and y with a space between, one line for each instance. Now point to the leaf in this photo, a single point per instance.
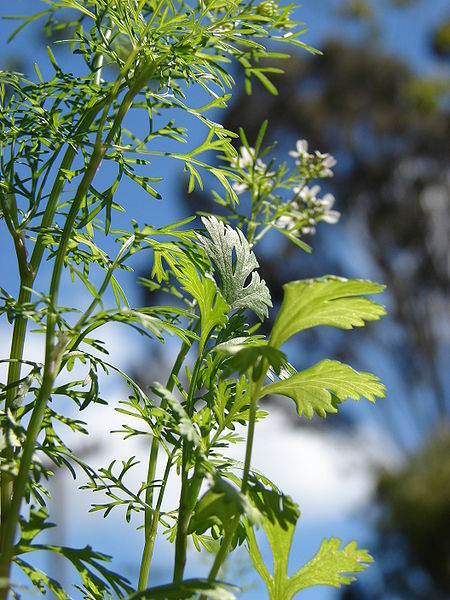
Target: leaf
pixel 185 426
pixel 324 385
pixel 280 518
pixel 213 308
pixel 330 566
pixel 37 522
pixel 215 590
pixel 248 354
pixel 40 580
pixel 219 505
pixel 328 300
pixel 86 561
pixel 230 253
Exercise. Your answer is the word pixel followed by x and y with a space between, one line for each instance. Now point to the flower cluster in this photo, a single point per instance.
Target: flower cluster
pixel 318 164
pixel 306 209
pixel 268 8
pixel 298 215
pixel 257 171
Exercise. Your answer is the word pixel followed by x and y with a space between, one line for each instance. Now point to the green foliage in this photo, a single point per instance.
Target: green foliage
pixel 323 387
pixel 214 589
pixel 233 274
pixel 330 301
pixel 330 565
pixel 55 136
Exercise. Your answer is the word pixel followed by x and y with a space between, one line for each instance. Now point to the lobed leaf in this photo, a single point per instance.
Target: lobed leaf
pixel 219 505
pixel 230 253
pixel 323 386
pixel 213 308
pixel 215 590
pixel 248 354
pixel 328 300
pixel 330 566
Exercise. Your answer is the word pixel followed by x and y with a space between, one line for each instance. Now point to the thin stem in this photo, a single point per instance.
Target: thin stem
pixel 190 488
pixel 151 523
pixel 100 59
pixel 255 389
pixel 223 550
pixel 251 432
pixel 54 352
pixel 150 538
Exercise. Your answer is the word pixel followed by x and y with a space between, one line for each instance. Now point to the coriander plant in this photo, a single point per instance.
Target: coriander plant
pixel 148 62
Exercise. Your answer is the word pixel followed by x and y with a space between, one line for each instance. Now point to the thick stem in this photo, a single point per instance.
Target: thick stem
pixel 190 489
pixel 28 272
pixel 53 355
pixel 33 430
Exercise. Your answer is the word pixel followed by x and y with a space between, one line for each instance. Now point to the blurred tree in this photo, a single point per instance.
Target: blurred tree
pixel 414 505
pixel 441 40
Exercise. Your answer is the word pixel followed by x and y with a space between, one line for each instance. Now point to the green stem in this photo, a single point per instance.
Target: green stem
pixel 53 355
pixel 190 488
pixel 28 272
pixel 151 536
pixel 223 550
pixel 255 389
pixel 152 517
pixel 53 352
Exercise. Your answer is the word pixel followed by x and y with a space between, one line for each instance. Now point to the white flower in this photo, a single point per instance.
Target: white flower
pixel 327 201
pixel 326 159
pixel 329 216
pixel 308 195
pixel 246 158
pixel 285 222
pixel 301 150
pixel 326 162
pixel 239 188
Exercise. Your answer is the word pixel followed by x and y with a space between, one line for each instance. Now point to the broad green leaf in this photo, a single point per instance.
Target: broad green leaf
pixel 323 386
pixel 329 300
pixel 215 590
pixel 230 253
pixel 330 566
